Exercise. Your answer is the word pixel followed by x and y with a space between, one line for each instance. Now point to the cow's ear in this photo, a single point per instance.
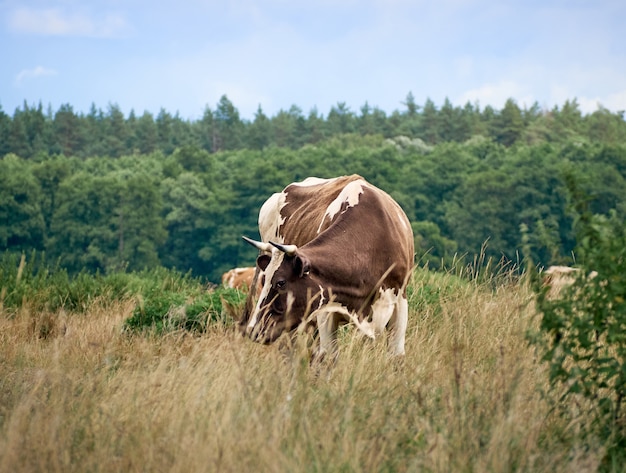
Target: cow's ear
pixel 302 265
pixel 262 261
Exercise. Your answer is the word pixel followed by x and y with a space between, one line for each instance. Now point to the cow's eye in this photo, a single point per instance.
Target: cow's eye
pixel 281 284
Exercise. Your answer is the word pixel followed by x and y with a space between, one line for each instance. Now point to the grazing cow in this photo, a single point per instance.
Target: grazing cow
pixel 556 278
pixel 333 251
pixel 238 278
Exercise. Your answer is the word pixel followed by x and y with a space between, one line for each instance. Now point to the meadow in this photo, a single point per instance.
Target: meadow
pixel 80 392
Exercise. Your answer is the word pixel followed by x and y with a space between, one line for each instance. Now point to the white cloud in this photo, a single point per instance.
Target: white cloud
pixel 613 102
pixel 616 101
pixel 57 22
pixel 587 103
pixel 38 71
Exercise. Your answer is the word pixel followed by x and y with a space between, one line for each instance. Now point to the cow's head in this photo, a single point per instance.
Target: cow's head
pixel 289 294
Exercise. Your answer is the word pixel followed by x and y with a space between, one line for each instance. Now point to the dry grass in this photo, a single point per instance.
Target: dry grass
pixel 77 394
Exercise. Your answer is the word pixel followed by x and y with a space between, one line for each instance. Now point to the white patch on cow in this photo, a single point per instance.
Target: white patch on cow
pixel 383 308
pixel 327 318
pixel 398 324
pixel 382 311
pixel 238 272
pixel 350 194
pixel 269 218
pixel 390 311
pixel 274 264
pixel 228 279
pixel 270 223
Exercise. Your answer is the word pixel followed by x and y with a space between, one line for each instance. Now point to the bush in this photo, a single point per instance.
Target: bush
pixel 168 310
pixel 428 289
pixel 582 333
pixel 31 280
pixel 43 286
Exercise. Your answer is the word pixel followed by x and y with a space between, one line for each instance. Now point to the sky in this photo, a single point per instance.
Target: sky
pixel 183 56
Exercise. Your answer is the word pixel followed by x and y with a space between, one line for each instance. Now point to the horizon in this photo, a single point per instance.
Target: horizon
pixel 275 54
pixel 49 109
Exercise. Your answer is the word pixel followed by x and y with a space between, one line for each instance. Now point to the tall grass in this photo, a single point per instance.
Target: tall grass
pixel 466 397
pixel 166 299
pixel 35 281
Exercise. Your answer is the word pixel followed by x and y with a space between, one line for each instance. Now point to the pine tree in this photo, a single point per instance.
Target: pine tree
pixel 259 131
pixel 509 124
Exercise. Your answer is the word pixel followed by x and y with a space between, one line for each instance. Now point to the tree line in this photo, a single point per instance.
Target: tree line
pixel 31 130
pixel 188 209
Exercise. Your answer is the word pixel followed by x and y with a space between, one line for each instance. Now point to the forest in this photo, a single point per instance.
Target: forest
pixel 104 191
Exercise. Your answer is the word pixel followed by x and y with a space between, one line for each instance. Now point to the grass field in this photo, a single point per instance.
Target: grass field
pixel 78 393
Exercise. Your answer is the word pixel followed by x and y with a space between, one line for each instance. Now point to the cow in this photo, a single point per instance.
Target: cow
pixel 239 278
pixel 556 278
pixel 333 251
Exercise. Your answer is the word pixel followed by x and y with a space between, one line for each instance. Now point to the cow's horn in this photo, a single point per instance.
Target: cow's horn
pixel 258 244
pixel 289 250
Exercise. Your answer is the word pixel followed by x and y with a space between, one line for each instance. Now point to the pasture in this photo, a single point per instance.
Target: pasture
pixel 89 396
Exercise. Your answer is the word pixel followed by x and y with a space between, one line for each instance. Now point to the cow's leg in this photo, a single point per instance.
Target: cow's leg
pixel 327 325
pixel 382 311
pixel 397 326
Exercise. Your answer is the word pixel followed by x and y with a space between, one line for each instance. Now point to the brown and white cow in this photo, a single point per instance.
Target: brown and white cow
pixel 333 251
pixel 239 278
pixel 557 278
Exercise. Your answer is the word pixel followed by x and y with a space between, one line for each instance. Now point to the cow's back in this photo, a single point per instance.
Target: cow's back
pixel 238 278
pixel 370 241
pixel 297 214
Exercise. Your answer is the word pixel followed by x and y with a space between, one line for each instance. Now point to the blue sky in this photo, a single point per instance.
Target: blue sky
pixel 184 55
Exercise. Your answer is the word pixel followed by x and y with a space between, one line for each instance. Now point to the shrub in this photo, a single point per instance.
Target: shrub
pixel 582 333
pixel 30 280
pixel 169 310
pixel 428 289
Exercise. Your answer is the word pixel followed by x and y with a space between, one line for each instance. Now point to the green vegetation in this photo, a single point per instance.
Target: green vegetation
pixel 582 333
pixel 104 193
pixel 111 228
pixel 78 369
pixel 162 311
pixel 32 131
pixel 165 300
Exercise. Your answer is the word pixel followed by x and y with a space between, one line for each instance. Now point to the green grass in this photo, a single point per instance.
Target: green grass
pixel 165 300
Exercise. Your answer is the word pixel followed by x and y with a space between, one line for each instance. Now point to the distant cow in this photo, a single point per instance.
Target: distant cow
pixel 558 277
pixel 239 278
pixel 332 251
